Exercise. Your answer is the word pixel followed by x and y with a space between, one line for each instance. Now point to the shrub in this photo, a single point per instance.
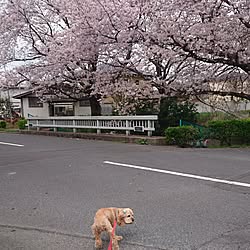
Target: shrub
pixel 182 136
pixel 21 123
pixel 3 124
pixel 230 131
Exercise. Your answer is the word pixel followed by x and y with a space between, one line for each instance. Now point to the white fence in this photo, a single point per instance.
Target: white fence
pixel 127 123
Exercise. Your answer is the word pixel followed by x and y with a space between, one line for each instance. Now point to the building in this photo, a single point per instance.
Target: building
pixel 33 106
pixel 9 93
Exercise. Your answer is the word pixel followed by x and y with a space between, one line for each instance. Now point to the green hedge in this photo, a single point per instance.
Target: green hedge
pixel 3 124
pixel 230 132
pixel 21 123
pixel 182 136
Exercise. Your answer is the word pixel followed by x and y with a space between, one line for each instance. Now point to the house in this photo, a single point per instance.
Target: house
pixel 233 82
pixel 218 103
pixel 33 106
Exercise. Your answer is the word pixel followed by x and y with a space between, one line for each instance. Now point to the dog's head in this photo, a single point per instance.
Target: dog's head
pixel 125 216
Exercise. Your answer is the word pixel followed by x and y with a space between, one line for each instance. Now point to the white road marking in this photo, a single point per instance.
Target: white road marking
pixel 11 173
pixel 204 178
pixel 11 144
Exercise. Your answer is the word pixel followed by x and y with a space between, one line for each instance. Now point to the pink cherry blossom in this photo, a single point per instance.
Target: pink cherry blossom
pixel 102 48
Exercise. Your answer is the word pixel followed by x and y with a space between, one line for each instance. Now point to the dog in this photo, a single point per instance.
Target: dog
pixel 104 221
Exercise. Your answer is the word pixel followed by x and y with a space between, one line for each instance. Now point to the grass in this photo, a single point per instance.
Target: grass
pixel 142 141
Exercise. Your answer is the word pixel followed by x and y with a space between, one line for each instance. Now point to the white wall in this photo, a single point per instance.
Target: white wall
pixel 82 110
pixel 229 105
pixel 44 111
pixel 39 112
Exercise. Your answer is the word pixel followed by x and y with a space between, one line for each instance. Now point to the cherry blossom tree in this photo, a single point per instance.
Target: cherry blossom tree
pixel 61 47
pixel 88 48
pixel 195 47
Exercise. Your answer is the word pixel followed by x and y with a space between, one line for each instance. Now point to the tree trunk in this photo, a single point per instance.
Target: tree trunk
pixel 95 106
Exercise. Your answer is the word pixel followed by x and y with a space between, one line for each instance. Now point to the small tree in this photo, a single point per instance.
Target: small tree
pixel 5 107
pixel 172 111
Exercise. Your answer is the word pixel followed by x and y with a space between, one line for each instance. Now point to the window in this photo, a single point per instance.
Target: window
pixel 35 102
pixel 63 109
pixel 84 103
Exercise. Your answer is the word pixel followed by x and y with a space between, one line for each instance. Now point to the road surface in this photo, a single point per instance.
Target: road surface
pixel 187 199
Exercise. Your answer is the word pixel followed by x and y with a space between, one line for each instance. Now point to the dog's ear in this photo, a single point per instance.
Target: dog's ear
pixel 121 214
pixel 131 209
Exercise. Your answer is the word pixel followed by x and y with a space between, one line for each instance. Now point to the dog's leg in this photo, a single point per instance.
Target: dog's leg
pixel 115 245
pixel 97 234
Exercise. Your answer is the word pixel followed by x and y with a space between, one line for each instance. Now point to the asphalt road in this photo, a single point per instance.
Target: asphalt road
pixel 50 189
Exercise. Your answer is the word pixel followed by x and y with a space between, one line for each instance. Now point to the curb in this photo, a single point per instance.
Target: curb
pixel 154 140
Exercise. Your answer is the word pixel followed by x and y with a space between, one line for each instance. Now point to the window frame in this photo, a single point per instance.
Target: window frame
pixel 84 103
pixel 34 102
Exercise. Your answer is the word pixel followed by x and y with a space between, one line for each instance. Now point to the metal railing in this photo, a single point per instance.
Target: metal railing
pixel 127 123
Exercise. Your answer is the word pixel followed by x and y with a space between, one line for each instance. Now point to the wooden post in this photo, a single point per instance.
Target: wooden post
pixel 127 126
pixel 74 124
pixel 150 126
pixel 98 131
pixel 37 125
pixel 54 123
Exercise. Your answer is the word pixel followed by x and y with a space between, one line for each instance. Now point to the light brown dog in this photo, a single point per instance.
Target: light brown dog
pixel 104 221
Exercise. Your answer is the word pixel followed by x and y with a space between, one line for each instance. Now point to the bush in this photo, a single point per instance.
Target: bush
pixel 182 136
pixel 21 123
pixel 3 124
pixel 230 132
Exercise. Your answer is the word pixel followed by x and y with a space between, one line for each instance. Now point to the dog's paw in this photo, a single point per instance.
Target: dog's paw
pixel 119 238
pixel 115 246
pixel 98 244
pixel 98 247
